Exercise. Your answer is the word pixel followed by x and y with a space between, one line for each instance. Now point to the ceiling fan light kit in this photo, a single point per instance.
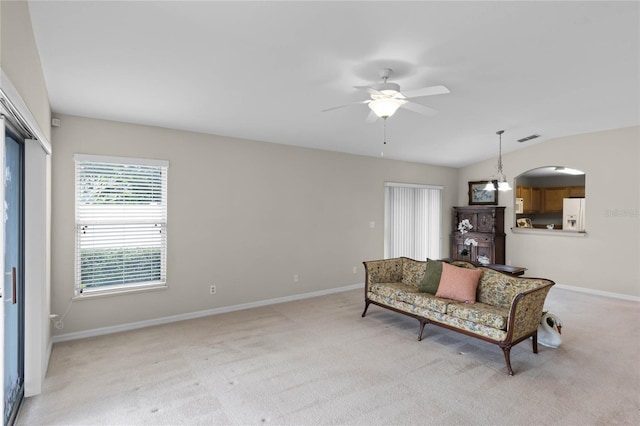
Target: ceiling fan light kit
pixel 385 107
pixel 500 179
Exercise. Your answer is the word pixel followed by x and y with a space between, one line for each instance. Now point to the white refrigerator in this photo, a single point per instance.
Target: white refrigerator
pixel 573 214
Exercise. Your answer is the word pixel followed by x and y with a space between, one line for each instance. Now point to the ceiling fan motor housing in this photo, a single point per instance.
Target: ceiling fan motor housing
pixel 389 89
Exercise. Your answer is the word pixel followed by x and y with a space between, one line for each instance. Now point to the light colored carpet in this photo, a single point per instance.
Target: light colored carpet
pixel 317 362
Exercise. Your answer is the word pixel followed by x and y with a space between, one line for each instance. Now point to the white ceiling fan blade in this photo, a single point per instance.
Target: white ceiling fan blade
pixel 371 117
pixel 426 91
pixel 420 109
pixel 347 105
pixel 368 89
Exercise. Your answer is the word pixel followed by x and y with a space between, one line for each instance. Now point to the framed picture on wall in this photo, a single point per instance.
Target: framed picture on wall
pixel 479 196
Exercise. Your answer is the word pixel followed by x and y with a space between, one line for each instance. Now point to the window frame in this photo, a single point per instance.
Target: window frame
pixel 159 220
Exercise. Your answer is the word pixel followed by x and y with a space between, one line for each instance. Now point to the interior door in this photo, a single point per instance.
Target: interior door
pixel 13 292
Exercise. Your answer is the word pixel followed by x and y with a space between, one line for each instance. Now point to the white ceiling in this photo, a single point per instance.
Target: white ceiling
pixel 266 70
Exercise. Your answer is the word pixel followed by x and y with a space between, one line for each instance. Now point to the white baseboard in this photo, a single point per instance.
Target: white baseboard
pixel 598 292
pixel 191 315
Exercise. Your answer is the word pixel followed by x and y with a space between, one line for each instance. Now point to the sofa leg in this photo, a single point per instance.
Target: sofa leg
pixel 534 342
pixel 507 358
pixel 366 306
pixel 422 324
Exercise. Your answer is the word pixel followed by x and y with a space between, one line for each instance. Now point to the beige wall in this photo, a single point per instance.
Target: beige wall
pixel 247 216
pixel 243 215
pixel 607 259
pixel 20 60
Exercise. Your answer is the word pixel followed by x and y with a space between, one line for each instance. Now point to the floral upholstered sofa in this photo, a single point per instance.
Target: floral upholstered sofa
pixel 505 309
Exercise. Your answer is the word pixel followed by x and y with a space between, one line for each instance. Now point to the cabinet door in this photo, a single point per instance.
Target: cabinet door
pixel 486 247
pixel 536 200
pixel 530 199
pixel 553 198
pixel 457 245
pixel 576 191
pixel 485 222
pixel 486 250
pixel 525 194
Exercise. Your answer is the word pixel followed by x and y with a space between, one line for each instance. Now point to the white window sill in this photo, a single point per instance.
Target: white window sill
pixel 555 232
pixel 118 292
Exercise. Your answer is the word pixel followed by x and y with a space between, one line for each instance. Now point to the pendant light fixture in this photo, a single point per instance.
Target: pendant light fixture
pixel 500 179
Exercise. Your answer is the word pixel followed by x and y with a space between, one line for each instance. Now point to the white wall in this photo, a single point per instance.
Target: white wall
pixel 20 61
pixel 607 259
pixel 243 215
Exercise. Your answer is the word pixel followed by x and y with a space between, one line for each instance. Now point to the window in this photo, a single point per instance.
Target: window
pixel 412 221
pixel 121 223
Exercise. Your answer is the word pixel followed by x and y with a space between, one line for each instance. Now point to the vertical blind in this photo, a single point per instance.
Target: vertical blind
pixel 121 222
pixel 412 221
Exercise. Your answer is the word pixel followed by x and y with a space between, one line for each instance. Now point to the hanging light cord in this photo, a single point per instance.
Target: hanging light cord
pixel 500 132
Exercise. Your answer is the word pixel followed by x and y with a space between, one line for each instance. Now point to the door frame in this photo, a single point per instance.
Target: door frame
pixel 37 216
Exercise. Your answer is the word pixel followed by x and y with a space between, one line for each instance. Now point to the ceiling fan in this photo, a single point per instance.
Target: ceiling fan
pixel 386 98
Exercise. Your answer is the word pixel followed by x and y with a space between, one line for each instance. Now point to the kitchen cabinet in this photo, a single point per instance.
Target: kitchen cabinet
pixel 575 192
pixel 546 200
pixel 552 199
pixel 531 198
pixel 488 231
pixel 536 200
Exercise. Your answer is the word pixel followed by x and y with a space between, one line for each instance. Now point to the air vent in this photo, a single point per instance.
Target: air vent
pixel 528 138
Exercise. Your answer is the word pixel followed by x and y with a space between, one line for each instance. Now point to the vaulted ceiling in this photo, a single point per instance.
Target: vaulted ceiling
pixel 266 70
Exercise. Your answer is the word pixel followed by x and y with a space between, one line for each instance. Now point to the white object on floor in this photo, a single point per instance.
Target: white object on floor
pixel 549 331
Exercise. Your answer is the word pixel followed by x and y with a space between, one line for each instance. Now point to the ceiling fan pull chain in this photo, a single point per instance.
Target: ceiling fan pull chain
pixel 384 135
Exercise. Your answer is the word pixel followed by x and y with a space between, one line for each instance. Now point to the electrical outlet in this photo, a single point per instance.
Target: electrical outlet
pixel 212 289
pixel 296 278
pixel 355 269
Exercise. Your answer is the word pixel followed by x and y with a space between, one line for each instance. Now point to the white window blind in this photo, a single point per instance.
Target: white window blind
pixel 412 225
pixel 121 223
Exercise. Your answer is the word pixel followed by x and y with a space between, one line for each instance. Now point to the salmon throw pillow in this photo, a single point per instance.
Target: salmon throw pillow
pixel 458 283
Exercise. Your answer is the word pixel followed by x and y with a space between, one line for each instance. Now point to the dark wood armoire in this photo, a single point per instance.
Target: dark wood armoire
pixel 488 231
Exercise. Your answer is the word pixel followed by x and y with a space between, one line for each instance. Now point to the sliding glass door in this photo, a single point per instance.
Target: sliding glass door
pixel 13 291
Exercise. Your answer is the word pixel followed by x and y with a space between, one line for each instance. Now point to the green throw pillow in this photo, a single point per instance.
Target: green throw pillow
pixel 431 279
